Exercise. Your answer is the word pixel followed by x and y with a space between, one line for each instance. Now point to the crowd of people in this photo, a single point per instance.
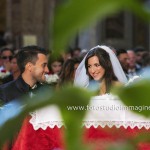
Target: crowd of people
pixel 104 65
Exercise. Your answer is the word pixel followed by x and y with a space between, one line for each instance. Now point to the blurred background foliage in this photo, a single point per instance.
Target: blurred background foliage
pixel 71 16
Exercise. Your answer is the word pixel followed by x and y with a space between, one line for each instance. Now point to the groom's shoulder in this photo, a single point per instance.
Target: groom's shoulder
pixel 8 85
pixel 9 91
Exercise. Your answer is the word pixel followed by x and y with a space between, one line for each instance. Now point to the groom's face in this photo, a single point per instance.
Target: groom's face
pixel 40 68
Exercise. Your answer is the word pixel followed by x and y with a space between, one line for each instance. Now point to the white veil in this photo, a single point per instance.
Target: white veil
pixel 82 79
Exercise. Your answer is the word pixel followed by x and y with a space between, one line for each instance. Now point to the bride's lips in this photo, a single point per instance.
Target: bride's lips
pixel 95 75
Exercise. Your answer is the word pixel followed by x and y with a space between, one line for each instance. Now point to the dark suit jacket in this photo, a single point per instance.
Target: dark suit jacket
pixel 13 90
pixel 8 79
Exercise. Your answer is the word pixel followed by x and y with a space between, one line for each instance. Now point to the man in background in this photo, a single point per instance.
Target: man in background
pixel 6 55
pixel 123 59
pixel 134 68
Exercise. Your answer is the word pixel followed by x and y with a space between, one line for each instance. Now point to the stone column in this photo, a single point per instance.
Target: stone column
pixel 49 7
pixel 32 22
pixel 9 15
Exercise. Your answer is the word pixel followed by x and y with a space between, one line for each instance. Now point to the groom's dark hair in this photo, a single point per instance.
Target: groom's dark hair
pixel 28 54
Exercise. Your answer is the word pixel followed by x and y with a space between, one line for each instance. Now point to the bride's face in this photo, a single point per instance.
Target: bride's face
pixel 95 70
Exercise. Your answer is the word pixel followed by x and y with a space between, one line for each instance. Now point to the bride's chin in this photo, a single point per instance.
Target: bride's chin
pixel 96 79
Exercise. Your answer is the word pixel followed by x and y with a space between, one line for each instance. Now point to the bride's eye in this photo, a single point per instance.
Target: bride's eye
pixel 89 66
pixel 97 65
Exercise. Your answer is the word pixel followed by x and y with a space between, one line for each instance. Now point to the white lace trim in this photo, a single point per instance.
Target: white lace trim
pixel 117 124
pixel 88 124
pixel 44 125
pixel 50 116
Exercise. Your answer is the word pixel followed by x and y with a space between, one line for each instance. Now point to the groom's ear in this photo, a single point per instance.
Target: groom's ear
pixel 28 66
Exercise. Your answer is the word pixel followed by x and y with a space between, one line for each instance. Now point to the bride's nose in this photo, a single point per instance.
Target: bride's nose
pixel 93 69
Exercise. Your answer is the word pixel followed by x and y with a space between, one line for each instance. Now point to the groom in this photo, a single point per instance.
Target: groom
pixel 32 62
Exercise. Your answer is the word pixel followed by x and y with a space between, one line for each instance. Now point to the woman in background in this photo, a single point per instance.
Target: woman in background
pixel 55 64
pixel 68 71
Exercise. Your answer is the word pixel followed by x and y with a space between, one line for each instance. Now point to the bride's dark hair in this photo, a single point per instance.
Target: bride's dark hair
pixel 104 61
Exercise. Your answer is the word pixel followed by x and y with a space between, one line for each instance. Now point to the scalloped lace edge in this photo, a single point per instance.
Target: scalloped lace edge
pixel 88 124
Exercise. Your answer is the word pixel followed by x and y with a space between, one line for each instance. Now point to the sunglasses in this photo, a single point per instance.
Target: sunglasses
pixel 7 57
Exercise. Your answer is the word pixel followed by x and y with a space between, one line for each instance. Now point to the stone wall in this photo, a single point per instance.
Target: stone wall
pixel 2 15
pixel 28 20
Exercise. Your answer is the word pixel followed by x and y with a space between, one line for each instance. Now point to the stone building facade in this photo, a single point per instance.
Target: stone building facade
pixel 27 22
pixel 123 30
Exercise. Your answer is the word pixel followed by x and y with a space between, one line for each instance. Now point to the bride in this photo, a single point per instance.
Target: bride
pixel 102 66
